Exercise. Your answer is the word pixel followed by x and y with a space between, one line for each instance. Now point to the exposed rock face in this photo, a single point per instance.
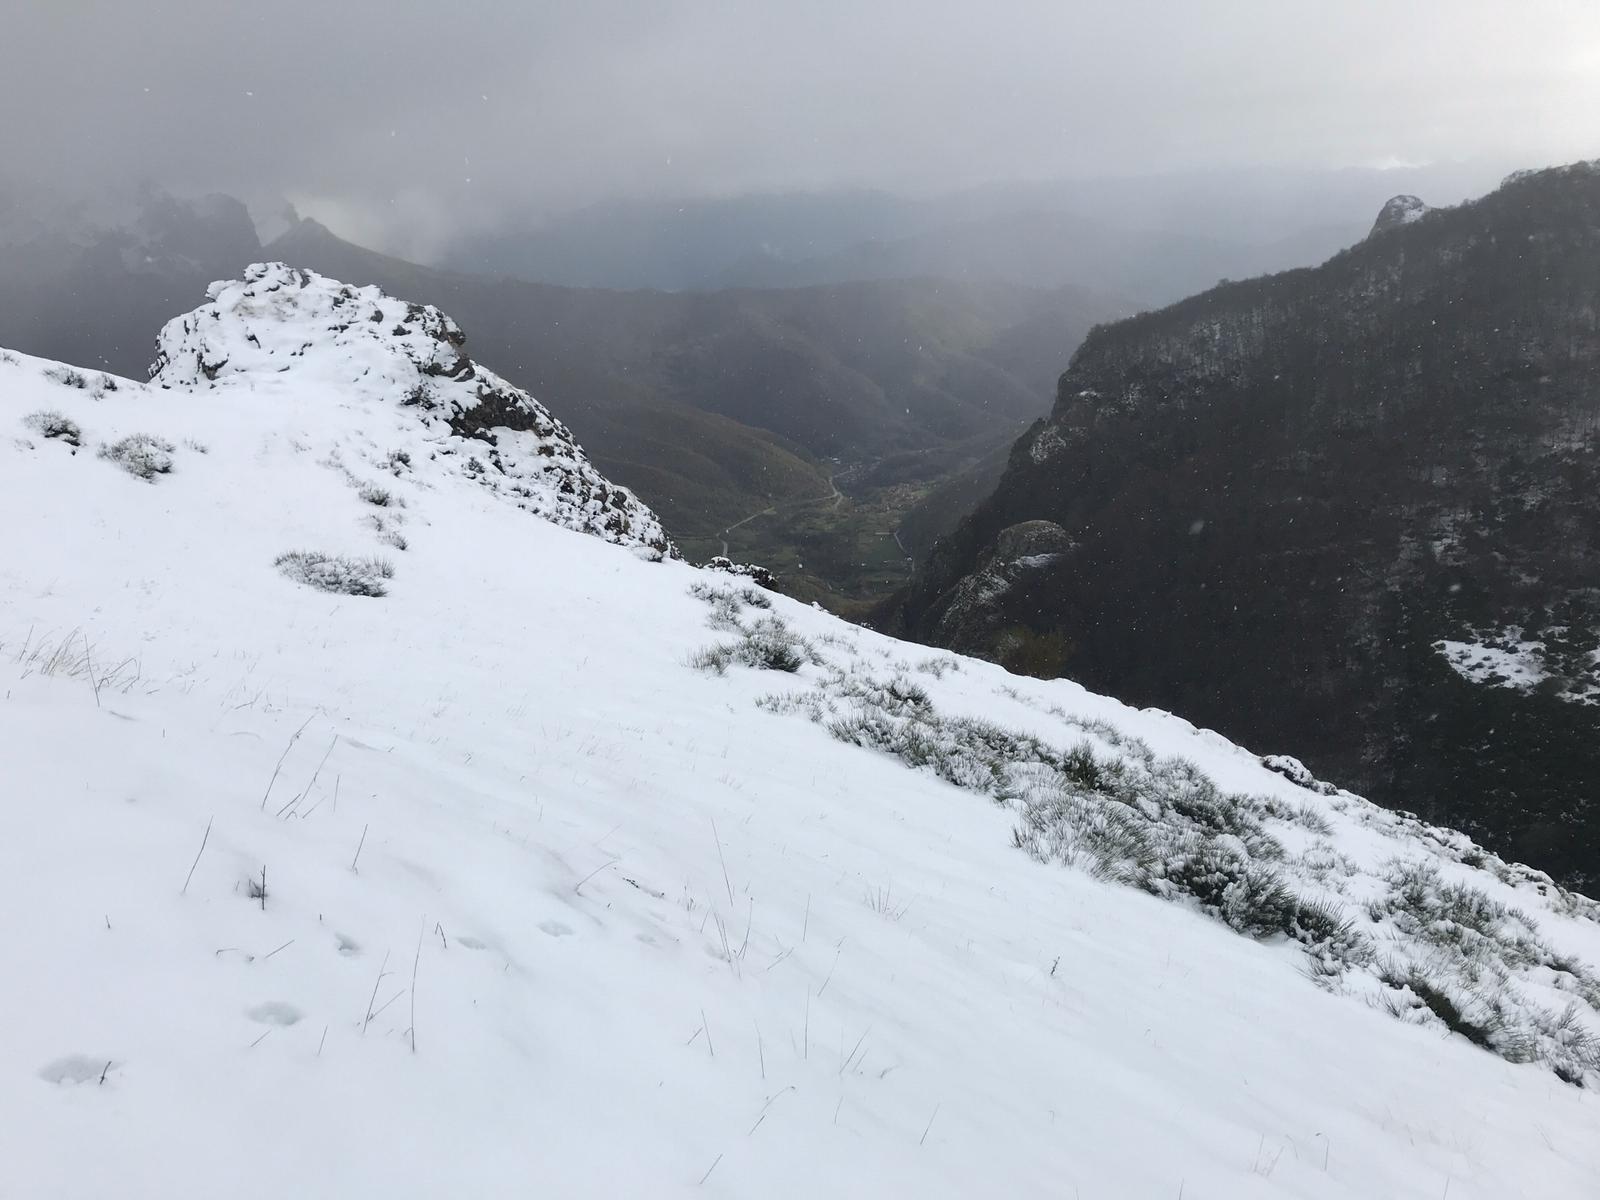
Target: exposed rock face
pixel 1399 210
pixel 280 323
pixel 1349 513
pixel 969 616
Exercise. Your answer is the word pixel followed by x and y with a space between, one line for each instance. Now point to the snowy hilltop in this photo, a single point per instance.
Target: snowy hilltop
pixel 286 330
pixel 366 837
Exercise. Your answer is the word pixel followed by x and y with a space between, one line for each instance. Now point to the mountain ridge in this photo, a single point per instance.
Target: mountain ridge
pixel 1393 444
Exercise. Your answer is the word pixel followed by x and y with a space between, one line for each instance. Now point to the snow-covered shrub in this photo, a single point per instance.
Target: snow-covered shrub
pixel 1455 951
pixel 336 572
pixel 1474 1017
pixel 728 602
pixel 141 454
pixel 716 659
pixel 768 644
pixel 1456 917
pixel 969 753
pixel 1566 1044
pixel 66 377
pixel 55 425
pixel 1325 865
pixel 376 496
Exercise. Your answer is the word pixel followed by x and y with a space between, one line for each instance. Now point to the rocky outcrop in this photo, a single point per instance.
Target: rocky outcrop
pixel 280 322
pixel 969 616
pixel 1399 210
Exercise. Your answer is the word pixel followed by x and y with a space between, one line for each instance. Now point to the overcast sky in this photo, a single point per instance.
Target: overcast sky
pixel 476 107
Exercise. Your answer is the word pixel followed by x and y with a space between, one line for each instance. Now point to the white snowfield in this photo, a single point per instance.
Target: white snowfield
pixel 549 911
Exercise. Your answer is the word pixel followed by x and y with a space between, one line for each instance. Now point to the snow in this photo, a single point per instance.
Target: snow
pixel 281 330
pixel 549 912
pixel 1507 660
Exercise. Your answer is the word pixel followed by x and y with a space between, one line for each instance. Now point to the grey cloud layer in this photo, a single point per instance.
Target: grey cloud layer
pixel 476 106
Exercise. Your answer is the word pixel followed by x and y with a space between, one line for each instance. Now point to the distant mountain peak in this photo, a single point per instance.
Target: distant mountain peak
pixel 279 322
pixel 303 229
pixel 1399 210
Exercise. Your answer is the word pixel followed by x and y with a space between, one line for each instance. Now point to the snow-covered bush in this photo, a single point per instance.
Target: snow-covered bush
pixel 55 425
pixel 376 496
pixel 336 572
pixel 1455 951
pixel 767 645
pixel 728 603
pixel 66 377
pixel 141 454
pixel 770 645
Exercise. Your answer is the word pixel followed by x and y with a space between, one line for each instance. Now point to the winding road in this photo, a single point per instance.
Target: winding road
pixel 834 494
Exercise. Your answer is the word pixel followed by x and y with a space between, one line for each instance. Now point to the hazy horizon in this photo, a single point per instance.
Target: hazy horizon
pixel 403 123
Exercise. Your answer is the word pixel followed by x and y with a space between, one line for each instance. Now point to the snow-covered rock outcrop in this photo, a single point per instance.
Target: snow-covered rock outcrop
pixel 282 327
pixel 1399 210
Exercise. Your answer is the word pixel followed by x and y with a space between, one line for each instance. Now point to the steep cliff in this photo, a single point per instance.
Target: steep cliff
pixel 1349 512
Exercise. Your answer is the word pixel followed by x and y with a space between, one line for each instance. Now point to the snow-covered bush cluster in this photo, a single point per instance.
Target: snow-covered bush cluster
pixel 71 377
pixel 727 603
pixel 337 572
pixel 67 377
pixel 766 643
pixel 141 454
pixel 52 424
pixel 1458 960
pixel 1398 934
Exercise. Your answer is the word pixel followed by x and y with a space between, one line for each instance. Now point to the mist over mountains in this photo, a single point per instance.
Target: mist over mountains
pixel 1151 240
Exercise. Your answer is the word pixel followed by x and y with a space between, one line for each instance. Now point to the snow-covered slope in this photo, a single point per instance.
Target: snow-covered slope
pixel 540 869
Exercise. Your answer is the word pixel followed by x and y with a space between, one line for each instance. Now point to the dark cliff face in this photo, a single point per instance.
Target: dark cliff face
pixel 1350 513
